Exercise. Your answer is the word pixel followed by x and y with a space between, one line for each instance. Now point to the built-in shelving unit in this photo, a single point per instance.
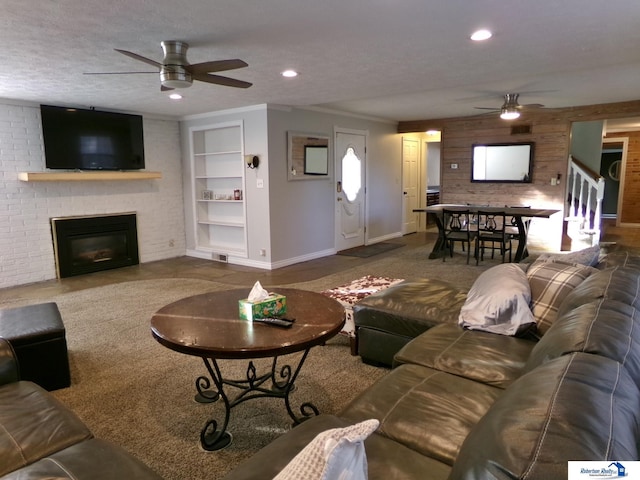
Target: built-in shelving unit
pixel 84 176
pixel 218 189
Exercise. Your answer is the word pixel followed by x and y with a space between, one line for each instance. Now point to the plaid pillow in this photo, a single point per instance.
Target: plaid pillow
pixel 550 283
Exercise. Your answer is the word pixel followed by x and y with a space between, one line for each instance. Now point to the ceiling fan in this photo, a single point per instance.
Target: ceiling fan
pixel 176 72
pixel 511 109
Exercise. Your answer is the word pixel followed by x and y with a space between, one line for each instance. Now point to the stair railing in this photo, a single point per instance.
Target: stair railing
pixel 586 191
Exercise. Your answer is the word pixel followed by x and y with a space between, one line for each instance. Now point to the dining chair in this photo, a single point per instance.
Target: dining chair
pixel 456 228
pixel 491 228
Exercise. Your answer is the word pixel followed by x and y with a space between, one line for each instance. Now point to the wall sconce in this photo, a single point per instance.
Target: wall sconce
pixel 252 161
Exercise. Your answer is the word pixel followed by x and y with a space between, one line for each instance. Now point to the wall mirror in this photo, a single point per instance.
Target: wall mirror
pixel 502 162
pixel 309 156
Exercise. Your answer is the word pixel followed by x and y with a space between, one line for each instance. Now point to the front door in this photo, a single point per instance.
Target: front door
pixel 350 155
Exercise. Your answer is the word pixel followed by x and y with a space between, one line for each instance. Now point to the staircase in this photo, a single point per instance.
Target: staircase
pixel 584 205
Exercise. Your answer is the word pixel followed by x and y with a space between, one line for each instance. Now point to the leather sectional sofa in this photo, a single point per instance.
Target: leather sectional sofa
pixel 41 439
pixel 468 404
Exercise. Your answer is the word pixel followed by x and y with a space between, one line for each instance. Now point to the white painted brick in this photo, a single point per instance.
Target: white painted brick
pixel 26 249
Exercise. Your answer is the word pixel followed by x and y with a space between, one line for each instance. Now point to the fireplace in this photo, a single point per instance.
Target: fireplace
pixel 90 244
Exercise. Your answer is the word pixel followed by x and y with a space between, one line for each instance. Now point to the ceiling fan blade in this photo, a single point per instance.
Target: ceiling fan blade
pixel 488 108
pixel 218 80
pixel 165 89
pixel 135 56
pixel 117 73
pixel 216 66
pixel 532 105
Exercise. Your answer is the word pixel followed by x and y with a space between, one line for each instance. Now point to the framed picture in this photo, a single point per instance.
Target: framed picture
pixel 309 156
pixel 316 160
pixel 207 195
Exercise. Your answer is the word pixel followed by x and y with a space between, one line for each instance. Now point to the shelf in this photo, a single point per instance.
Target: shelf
pixel 222 223
pixel 86 176
pixel 208 177
pixel 217 153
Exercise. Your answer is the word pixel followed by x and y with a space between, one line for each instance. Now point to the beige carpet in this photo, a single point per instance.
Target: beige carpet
pixel 134 392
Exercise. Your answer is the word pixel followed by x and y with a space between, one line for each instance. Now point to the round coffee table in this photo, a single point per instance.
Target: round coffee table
pixel 208 326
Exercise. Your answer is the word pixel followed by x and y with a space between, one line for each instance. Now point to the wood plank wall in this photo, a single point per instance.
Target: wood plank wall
pixel 550 130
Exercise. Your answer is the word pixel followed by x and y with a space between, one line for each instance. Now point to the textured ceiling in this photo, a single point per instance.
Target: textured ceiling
pixel 396 60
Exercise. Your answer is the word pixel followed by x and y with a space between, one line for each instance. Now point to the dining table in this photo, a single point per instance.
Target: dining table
pixel 518 214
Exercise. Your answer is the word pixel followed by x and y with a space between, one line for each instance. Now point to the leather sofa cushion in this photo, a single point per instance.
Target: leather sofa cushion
pixel 386 459
pixel 576 407
pixel 602 327
pixel 424 409
pixel 485 357
pixel 33 425
pixel 93 459
pixel 620 259
pixel 617 283
pixel 409 308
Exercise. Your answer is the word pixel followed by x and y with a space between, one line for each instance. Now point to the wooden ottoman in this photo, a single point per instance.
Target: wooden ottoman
pixel 37 335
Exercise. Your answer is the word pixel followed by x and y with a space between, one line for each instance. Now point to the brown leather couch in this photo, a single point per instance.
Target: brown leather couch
pixel 42 439
pixel 464 404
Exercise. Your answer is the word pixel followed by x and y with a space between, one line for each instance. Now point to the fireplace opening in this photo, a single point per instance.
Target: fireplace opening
pixel 90 244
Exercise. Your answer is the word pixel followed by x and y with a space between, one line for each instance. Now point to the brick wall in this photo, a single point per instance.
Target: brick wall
pixel 26 249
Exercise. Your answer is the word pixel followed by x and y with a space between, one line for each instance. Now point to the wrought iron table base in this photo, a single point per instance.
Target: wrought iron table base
pixel 279 384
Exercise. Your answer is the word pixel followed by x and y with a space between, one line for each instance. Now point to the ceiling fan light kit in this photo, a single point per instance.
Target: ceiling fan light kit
pixel 509 113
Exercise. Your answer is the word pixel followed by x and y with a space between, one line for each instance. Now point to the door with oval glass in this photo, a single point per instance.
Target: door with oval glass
pixel 350 148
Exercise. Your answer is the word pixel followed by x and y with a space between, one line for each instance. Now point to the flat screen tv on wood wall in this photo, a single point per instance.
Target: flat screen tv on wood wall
pixel 78 139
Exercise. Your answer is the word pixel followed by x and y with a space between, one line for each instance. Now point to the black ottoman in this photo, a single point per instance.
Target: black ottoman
pixel 37 335
pixel 387 320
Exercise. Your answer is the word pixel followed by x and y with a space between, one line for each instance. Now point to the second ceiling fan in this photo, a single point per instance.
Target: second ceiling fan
pixel 511 109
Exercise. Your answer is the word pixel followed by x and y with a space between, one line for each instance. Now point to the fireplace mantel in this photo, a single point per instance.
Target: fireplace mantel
pixel 86 176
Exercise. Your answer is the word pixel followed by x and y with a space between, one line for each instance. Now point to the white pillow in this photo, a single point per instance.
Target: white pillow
pixel 336 454
pixel 498 302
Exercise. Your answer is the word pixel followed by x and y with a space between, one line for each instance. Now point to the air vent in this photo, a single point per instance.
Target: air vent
pixel 220 257
pixel 520 129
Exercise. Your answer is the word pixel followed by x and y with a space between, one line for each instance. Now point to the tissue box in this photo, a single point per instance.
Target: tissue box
pixel 273 306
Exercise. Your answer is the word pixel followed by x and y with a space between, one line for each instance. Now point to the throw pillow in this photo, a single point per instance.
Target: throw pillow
pixel 333 454
pixel 498 302
pixel 588 256
pixel 550 283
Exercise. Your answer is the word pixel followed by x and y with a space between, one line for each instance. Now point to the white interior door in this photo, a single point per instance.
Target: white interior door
pixel 410 182
pixel 350 154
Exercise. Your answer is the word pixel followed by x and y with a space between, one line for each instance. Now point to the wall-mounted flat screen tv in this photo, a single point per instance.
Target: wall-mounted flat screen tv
pixel 502 162
pixel 79 139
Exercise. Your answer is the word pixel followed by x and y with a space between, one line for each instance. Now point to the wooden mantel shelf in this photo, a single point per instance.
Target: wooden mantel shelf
pixel 86 176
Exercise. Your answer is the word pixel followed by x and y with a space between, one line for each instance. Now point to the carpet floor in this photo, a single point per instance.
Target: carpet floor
pixel 134 392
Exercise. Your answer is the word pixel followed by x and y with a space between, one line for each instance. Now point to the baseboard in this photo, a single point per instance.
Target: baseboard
pixel 246 262
pixel 383 238
pixel 303 258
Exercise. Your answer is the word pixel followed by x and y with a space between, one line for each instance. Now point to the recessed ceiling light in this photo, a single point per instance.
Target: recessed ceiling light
pixel 289 73
pixel 481 35
pixel 432 132
pixel 175 96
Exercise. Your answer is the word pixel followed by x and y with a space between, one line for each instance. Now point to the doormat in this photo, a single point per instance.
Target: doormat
pixel 353 292
pixel 366 251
